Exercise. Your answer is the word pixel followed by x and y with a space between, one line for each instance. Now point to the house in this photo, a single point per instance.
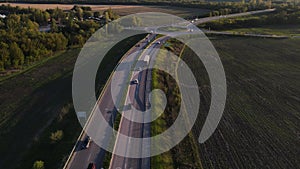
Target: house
pixel 2 16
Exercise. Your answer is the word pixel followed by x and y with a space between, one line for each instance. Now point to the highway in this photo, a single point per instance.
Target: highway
pixel 197 21
pixel 94 154
pixel 136 97
pixel 208 19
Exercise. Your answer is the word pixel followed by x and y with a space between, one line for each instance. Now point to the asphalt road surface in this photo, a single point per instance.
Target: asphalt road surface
pixel 208 19
pixel 94 154
pixel 137 98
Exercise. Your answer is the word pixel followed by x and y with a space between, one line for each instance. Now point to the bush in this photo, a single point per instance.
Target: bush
pixel 56 136
pixel 38 165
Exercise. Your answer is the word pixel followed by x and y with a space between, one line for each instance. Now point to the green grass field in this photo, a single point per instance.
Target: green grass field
pixel 260 125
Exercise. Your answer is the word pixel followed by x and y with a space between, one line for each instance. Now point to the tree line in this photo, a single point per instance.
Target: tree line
pixel 22 43
pixel 283 15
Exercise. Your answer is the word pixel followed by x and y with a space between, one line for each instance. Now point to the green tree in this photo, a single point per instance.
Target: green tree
pixel 111 14
pixel 259 2
pixel 60 42
pixel 16 55
pixel 31 26
pixel 79 40
pixel 4 56
pixel 79 13
pixel 269 4
pixel 56 136
pixel 1 66
pixel 97 14
pixel 39 16
pixel 13 22
pixel 252 2
pixel 57 13
pixel 54 27
pixel 38 165
pixel 86 8
pixel 87 14
pixel 46 16
pixel 107 19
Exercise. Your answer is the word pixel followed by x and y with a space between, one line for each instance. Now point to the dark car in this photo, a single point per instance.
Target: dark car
pixel 86 142
pixel 135 81
pixel 91 166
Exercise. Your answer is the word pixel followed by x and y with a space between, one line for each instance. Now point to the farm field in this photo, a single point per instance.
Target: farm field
pixel 260 125
pixel 289 30
pixel 30 102
pixel 122 9
pixel 38 102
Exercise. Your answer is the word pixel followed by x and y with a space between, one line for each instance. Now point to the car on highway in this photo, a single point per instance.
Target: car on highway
pixel 158 42
pixel 91 166
pixel 138 45
pixel 86 143
pixel 135 81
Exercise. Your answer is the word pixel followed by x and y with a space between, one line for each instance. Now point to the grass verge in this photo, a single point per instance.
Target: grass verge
pixel 185 154
pixel 162 161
